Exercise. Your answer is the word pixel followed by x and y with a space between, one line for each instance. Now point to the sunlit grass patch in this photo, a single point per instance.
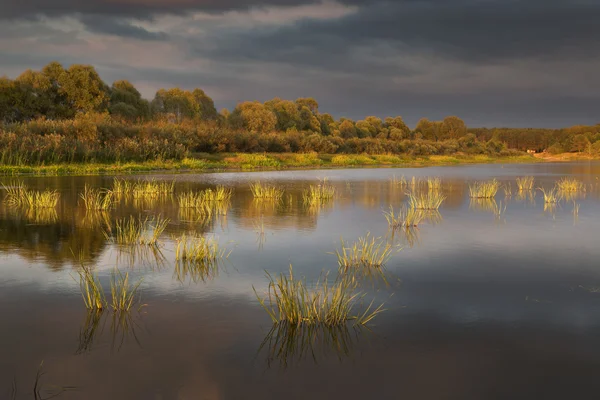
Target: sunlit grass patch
pixel 317 194
pixel 218 194
pixel 151 188
pixel 525 183
pixel 97 199
pixel 289 300
pixel 430 200
pixel 137 231
pixel 406 217
pixel 124 294
pixel 402 182
pixel 264 191
pixel 367 253
pixel 434 183
pixel 484 190
pixel 91 289
pixel 198 257
pixel 570 185
pixel 551 196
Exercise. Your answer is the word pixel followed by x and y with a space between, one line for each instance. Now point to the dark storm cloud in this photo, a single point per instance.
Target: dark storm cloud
pixel 112 26
pixel 472 31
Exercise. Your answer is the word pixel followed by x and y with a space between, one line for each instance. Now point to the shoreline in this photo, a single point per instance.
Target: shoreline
pixel 270 162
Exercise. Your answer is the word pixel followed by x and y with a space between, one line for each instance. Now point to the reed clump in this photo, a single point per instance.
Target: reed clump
pixel 434 184
pixel 289 300
pixel 567 185
pixel 91 289
pixel 264 191
pixel 97 199
pixel 199 249
pixel 551 196
pixel 19 195
pixel 137 231
pixel 484 190
pixel 525 183
pixel 431 200
pixel 124 293
pixel 318 194
pixel 218 194
pixel 407 217
pixel 152 188
pixel 368 253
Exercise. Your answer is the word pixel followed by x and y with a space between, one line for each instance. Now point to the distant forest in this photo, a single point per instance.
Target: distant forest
pixel 71 115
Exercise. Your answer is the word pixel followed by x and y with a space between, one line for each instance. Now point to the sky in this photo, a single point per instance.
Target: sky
pixel 514 63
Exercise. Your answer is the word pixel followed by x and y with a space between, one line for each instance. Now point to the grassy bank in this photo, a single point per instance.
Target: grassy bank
pixel 270 161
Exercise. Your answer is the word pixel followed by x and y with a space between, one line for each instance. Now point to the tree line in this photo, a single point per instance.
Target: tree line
pixel 73 106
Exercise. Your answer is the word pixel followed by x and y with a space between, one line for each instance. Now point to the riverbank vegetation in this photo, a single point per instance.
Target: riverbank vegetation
pixel 59 120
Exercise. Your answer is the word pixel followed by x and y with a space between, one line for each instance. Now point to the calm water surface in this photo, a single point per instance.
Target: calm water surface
pixel 478 306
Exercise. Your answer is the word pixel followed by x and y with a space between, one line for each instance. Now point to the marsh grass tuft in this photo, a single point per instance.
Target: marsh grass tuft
pixel 434 184
pixel 484 190
pixel 551 196
pixel 364 258
pixel 318 194
pixel 289 300
pixel 567 185
pixel 97 199
pixel 525 183
pixel 199 249
pixel 407 217
pixel 264 191
pixel 18 195
pixel 137 231
pixel 91 289
pixel 507 189
pixel 431 200
pixel 124 294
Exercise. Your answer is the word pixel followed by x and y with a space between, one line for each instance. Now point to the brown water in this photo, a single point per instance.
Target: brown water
pixel 479 305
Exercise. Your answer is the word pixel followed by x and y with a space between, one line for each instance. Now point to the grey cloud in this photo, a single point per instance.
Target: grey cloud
pixel 113 26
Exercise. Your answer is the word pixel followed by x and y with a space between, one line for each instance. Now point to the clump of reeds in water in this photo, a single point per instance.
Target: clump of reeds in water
pixel 484 190
pixel 137 231
pixel 368 253
pixel 525 183
pixel 152 188
pixel 19 195
pixel 97 199
pixel 91 289
pixel 218 194
pixel 199 249
pixel 431 200
pixel 551 196
pixel 407 217
pixel 263 191
pixel 434 184
pixel 207 202
pixel 567 185
pixel 318 194
pixel 289 300
pixel 124 293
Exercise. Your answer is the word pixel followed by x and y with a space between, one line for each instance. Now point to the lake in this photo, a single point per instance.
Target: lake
pixel 489 299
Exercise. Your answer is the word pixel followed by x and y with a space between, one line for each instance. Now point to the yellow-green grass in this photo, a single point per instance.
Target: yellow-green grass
pixel 430 200
pixel 434 183
pixel 290 300
pixel 507 189
pixel 394 180
pixel 551 196
pixel 124 294
pixel 525 183
pixel 19 195
pixel 264 191
pixel 199 249
pixel 137 231
pixel 97 199
pixel 367 252
pixel 91 289
pixel 407 217
pixel 570 185
pixel 152 188
pixel 317 194
pixel 484 190
pixel 218 194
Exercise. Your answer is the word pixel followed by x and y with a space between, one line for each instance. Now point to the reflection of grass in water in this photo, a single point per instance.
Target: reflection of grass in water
pixel 96 219
pixel 41 216
pixel 364 258
pixel 507 189
pixel 434 184
pixel 570 196
pixel 122 326
pixel 526 195
pixel 318 194
pixel 395 181
pixel 488 205
pixel 259 228
pixel 289 345
pixel 198 257
pixel 150 203
pixel 146 256
pixel 289 300
pixel 39 389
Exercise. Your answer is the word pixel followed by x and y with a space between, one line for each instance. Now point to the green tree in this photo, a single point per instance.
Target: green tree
pixel 452 128
pixel 286 112
pixel 127 102
pixel 253 116
pixel 347 129
pixel 398 129
pixel 310 103
pixel 83 88
pixel 206 105
pixel 179 103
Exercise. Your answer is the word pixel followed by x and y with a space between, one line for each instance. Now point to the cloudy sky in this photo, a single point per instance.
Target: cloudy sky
pixel 491 62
